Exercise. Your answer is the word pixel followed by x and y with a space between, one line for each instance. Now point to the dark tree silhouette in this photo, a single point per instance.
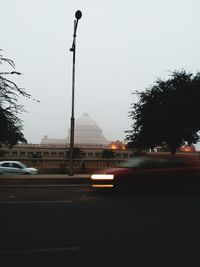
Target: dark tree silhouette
pixel 167 113
pixel 10 109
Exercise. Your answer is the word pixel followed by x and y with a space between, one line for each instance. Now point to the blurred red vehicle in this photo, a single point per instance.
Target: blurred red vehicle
pixel 150 171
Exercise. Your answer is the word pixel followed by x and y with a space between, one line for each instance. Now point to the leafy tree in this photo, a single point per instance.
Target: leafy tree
pixel 10 109
pixel 167 113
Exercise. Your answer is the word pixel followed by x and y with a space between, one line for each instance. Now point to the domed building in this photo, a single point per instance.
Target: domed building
pixel 188 148
pixel 117 145
pixel 86 132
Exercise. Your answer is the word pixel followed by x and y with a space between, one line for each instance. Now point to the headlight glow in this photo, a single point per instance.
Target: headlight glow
pixel 102 176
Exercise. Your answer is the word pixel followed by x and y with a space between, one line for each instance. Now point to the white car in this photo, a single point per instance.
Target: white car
pixel 15 167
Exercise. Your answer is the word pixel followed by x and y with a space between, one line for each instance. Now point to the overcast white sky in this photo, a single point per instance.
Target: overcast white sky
pixel 122 46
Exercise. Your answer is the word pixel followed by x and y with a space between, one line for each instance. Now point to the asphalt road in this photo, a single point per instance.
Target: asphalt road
pixel 78 226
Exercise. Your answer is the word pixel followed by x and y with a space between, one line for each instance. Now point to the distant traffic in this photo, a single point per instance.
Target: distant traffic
pixel 16 167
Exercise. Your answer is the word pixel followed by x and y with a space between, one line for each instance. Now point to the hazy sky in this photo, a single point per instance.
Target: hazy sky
pixel 122 46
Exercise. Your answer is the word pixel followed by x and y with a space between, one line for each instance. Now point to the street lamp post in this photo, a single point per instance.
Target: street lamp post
pixel 78 15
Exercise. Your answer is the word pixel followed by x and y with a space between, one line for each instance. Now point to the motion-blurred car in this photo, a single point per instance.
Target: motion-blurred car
pixel 147 172
pixel 16 167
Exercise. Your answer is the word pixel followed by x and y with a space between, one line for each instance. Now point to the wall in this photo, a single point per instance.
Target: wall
pixel 56 166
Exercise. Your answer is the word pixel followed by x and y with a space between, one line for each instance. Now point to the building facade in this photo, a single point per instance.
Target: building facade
pixel 55 158
pixel 52 155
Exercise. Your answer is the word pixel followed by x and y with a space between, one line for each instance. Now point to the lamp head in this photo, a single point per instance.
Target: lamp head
pixel 78 14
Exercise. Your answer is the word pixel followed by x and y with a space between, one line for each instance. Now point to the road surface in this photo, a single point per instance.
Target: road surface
pixel 78 226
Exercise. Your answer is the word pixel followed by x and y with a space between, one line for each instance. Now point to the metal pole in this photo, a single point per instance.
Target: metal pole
pixel 73 49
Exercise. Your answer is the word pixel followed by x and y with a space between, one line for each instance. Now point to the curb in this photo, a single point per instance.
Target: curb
pixel 44 179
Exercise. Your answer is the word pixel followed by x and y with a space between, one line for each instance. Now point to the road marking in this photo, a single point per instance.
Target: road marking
pixel 36 202
pixel 35 251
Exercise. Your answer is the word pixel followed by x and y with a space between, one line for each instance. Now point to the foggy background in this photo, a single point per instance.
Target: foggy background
pixel 122 46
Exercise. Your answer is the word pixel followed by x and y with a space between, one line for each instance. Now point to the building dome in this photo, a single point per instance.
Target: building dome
pixel 85 120
pixel 116 145
pixel 87 132
pixel 188 148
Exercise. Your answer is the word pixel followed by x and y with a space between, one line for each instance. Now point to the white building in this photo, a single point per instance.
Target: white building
pixel 87 132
